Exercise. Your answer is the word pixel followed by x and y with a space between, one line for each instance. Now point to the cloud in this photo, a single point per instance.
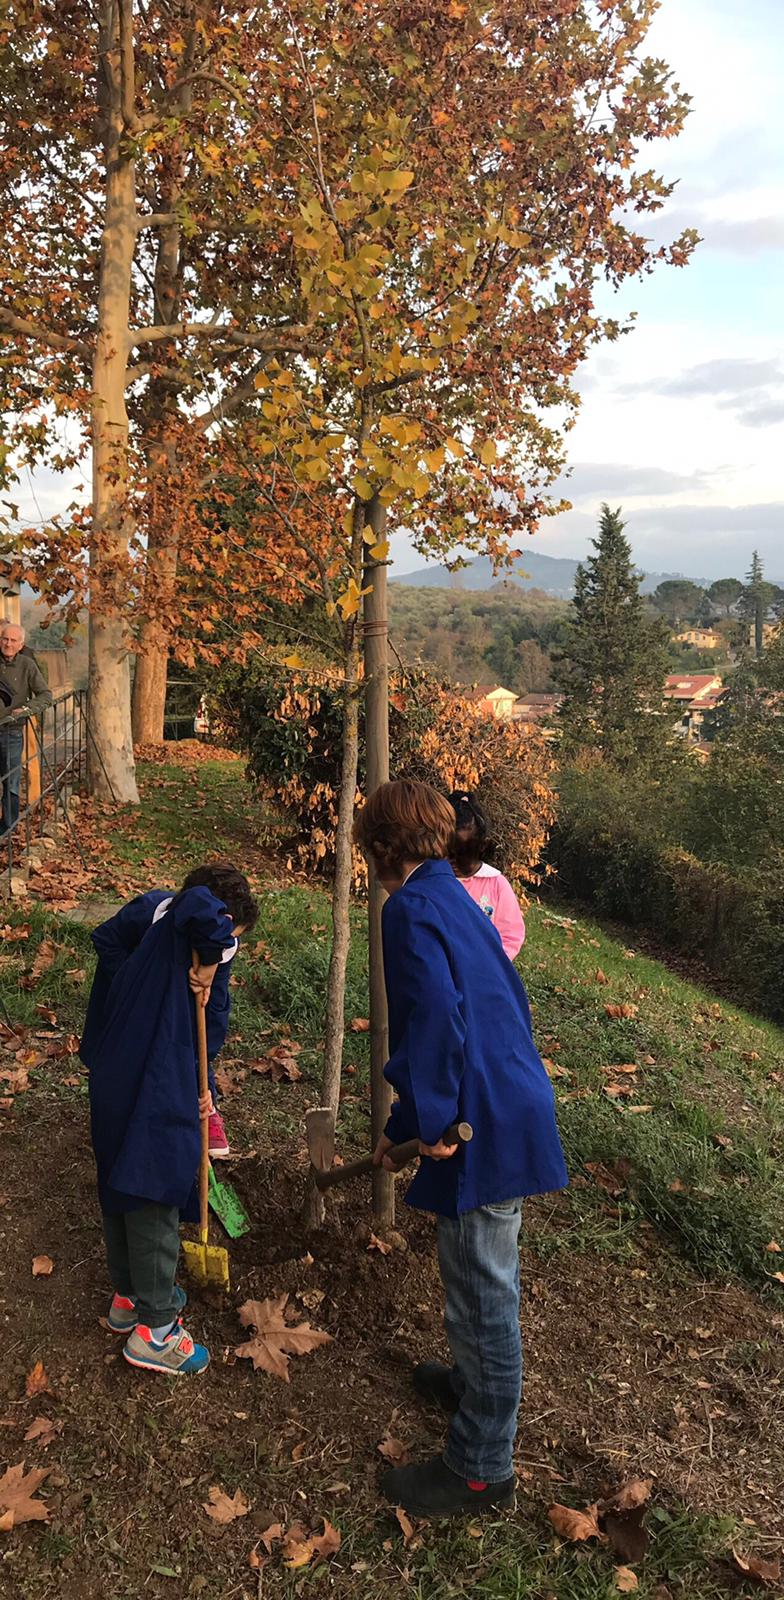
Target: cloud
pixel 610 478
pixel 741 236
pixel 751 388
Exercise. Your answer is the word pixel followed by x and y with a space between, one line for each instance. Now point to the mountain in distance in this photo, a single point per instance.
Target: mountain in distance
pixel 553 574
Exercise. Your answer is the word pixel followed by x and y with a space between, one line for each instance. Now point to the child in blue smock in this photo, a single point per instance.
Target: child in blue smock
pixel 461 1049
pixel 139 1044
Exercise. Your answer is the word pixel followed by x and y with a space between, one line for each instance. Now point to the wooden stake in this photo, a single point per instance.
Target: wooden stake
pixel 375 630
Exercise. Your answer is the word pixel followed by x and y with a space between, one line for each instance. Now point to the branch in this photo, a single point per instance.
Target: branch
pixel 226 404
pixel 127 68
pixel 270 339
pixel 156 219
pixel 34 330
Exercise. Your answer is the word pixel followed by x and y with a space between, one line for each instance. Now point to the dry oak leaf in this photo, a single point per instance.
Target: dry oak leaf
pixel 626 1581
pixel 767 1573
pixel 270 1535
pixel 773 1248
pixel 45 1429
pixel 299 1547
pixel 224 1509
pixel 393 1450
pixel 278 1063
pixel 43 1266
pixel 16 1497
pixel 18 1079
pixel 360 1025
pixel 274 1336
pixel 629 1496
pixel 601 977
pixel 44 959
pixel 383 1248
pixel 37 1381
pixel 406 1525
pixel 575 1525
pixel 623 1009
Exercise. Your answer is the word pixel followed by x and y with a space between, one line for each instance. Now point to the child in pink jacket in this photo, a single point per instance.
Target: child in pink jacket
pixel 492 892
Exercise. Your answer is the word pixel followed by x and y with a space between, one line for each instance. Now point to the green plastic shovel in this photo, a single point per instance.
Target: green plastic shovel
pixel 226 1204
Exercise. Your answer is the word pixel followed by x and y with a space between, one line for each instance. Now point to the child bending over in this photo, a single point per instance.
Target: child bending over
pixel 492 892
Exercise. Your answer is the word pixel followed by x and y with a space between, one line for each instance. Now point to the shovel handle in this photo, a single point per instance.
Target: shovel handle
pixel 204 1126
pixel 400 1154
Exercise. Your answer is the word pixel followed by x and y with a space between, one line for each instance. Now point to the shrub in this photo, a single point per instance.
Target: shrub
pixel 288 724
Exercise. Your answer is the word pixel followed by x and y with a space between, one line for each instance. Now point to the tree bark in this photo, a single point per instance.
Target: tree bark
pixel 335 1019
pixel 377 752
pixel 111 762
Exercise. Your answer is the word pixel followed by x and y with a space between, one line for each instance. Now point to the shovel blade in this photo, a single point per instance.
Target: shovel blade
pixel 320 1134
pixel 226 1204
pixel 207 1265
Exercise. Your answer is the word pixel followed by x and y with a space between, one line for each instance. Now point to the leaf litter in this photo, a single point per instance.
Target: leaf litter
pixel 17 1491
pixel 274 1339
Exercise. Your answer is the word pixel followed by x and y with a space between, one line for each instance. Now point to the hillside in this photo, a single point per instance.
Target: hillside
pixel 504 634
pixel 553 574
pixel 651 1308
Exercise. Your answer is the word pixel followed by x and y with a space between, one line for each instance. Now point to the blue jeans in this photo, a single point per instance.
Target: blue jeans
pixel 480 1269
pixel 11 745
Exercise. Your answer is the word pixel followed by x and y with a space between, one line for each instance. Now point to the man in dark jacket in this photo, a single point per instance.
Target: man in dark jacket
pixel 26 694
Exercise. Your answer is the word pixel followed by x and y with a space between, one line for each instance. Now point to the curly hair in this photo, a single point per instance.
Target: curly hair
pixel 404 821
pixel 228 884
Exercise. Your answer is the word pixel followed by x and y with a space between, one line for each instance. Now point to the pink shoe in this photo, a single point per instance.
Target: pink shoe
pixel 219 1144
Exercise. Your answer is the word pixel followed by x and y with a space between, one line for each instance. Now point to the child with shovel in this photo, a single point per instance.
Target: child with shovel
pixel 461 1049
pixel 140 1048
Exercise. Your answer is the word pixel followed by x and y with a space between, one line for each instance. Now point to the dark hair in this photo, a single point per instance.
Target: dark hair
pixel 469 814
pixel 228 884
pixel 404 821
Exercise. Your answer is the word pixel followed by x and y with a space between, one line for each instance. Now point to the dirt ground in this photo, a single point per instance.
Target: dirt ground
pixel 630 1371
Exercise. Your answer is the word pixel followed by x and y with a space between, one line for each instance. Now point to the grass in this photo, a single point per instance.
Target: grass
pixel 694 1181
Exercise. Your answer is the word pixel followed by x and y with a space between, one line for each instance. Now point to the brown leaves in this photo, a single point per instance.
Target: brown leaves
pixel 43 1266
pixel 280 1062
pixel 16 1497
pixel 405 1523
pixel 222 1509
pixel 621 1010
pixel 274 1336
pixel 230 1080
pixel 600 976
pixel 626 1581
pixel 767 1573
pixel 575 1525
pixel 617 1520
pixel 37 1381
pixel 299 1548
pixel 44 1429
pixel 380 1245
pixel 393 1450
pixel 612 1177
pixel 360 1025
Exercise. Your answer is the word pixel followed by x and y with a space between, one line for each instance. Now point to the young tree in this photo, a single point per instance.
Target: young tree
pixel 756 600
pixel 725 593
pixel 613 665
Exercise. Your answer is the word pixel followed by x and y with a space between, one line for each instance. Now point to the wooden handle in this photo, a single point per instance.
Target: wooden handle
pixel 400 1154
pixel 204 1122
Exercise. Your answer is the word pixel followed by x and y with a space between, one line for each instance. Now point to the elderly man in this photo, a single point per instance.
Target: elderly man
pixel 23 693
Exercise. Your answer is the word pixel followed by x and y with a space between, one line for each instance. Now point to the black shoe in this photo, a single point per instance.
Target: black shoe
pixel 432 1489
pixel 433 1381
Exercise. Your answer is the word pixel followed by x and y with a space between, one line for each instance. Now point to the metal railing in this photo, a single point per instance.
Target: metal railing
pixel 51 765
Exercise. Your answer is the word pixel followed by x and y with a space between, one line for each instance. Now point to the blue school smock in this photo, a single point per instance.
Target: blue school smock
pixel 143 1063
pixel 114 941
pixel 462 1050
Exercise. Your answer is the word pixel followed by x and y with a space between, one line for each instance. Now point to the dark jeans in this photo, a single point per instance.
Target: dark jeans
pixel 480 1269
pixel 11 745
pixel 142 1249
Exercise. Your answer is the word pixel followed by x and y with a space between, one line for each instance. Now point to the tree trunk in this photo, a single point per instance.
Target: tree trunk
pixel 149 686
pixel 377 752
pixel 112 770
pixel 335 1020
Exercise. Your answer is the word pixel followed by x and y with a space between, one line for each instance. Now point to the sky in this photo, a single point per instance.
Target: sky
pixel 682 420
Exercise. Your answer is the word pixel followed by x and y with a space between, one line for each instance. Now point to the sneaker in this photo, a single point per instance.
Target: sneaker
pixel 219 1144
pixel 433 1381
pixel 122 1316
pixel 177 1352
pixel 432 1489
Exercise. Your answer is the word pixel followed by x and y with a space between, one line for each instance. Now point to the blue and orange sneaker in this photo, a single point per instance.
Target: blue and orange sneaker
pixel 176 1353
pixel 122 1316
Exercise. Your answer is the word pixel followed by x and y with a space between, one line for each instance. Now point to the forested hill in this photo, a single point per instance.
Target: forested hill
pixel 503 636
pixel 552 574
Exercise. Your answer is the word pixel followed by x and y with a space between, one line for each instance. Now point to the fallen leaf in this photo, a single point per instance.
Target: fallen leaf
pixel 622 1009
pixel 299 1450
pixel 328 1543
pixel 393 1450
pixel 17 935
pixel 18 1079
pixel 274 1336
pixel 383 1248
pixel 279 1063
pixel 312 1298
pixel 722 1141
pixel 677 1187
pixel 628 1067
pixel 16 1496
pixel 638 1111
pixel 229 1081
pixel 773 1248
pixel 223 1509
pixel 44 1429
pixel 613 1179
pixel 630 1495
pixel 43 1266
pixel 626 1581
pixel 297 1547
pixel 71 1083
pixel 575 1525
pixel 601 977
pixel 48 1014
pixel 617 1091
pixel 76 974
pixel 553 1069
pixel 44 959
pixel 406 1525
pixel 779 1276
pixel 37 1381
pixel 360 1025
pixel 767 1573
pixel 6 1106
pixel 271 1535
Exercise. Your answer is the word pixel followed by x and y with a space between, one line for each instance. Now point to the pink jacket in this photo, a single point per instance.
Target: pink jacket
pixel 495 896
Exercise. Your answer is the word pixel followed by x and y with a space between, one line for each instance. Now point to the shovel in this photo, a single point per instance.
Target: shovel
pixel 320 1133
pixel 207 1264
